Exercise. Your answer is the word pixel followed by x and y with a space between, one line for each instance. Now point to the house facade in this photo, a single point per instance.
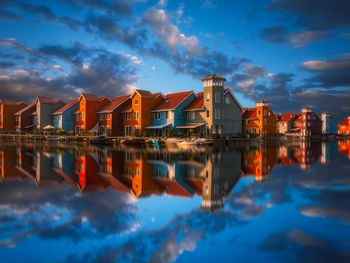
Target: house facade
pixel 169 112
pixel 284 122
pixel 329 124
pixel 44 107
pixel 7 110
pixel 260 121
pixel 110 117
pixel 307 123
pixel 63 117
pixel 24 118
pixel 85 117
pixel 344 127
pixel 138 115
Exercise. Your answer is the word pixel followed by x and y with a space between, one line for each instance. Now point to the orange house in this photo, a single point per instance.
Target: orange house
pixel 259 162
pixel 344 127
pixel 86 116
pixel 140 172
pixel 8 171
pixel 7 110
pixel 138 116
pixel 260 120
pixel 110 117
pixel 344 147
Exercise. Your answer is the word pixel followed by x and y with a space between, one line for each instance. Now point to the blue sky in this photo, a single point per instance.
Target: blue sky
pixel 292 52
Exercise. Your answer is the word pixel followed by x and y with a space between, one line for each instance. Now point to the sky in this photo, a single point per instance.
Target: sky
pixel 294 53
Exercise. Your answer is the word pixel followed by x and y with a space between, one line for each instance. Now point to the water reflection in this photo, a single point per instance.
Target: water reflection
pixel 150 205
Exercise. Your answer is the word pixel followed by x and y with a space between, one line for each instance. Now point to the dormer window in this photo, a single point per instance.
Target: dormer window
pixel 208 97
pixel 136 102
pixel 82 104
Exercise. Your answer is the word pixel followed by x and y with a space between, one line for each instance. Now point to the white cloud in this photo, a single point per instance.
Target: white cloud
pixel 153 68
pixel 162 2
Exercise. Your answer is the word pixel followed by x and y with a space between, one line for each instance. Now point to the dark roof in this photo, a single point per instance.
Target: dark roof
pixel 66 107
pixel 116 102
pixel 43 99
pixel 213 76
pixel 143 93
pixel 197 104
pixel 8 102
pixel 172 100
pixel 33 104
pixel 285 117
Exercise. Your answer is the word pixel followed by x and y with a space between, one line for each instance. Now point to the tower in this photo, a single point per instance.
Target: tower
pixel 262 112
pixel 214 103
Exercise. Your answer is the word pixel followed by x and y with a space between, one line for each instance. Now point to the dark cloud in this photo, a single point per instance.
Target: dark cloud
pixel 121 7
pixel 315 14
pixel 280 35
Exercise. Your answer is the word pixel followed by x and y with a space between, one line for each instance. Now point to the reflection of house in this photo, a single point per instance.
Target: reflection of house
pixel 64 167
pixel 307 153
pixel 215 111
pixel 138 116
pixel 344 127
pixel 328 150
pixel 260 120
pixel 110 117
pixel 285 121
pixel 44 107
pixel 26 163
pixel 259 162
pixel 111 168
pixel 86 167
pixel 24 118
pixel 344 147
pixel 85 115
pixel 63 117
pixel 8 162
pixel 44 173
pixel 7 110
pixel 169 113
pixel 140 173
pixel 307 123
pixel 285 156
pixel 329 124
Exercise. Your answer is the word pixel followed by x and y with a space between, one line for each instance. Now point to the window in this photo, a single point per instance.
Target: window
pixel 156 115
pixel 100 117
pixel 109 116
pixel 259 121
pixel 158 172
pixel 127 115
pixel 248 121
pixel 208 97
pixel 82 104
pixel 136 115
pixel 129 156
pixel 77 117
pixel 191 115
pixel 265 112
pixel 207 114
pixel 259 112
pixel 265 121
pixel 59 117
pixel 217 113
pixel 166 115
pixel 137 172
pixel 217 97
pixel 136 130
pixel 227 100
pixel 136 102
pixel 127 130
pixel 308 124
pixel 82 116
pixel 308 117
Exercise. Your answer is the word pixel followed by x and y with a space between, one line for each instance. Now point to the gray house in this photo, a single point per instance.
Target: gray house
pixel 44 107
pixel 216 111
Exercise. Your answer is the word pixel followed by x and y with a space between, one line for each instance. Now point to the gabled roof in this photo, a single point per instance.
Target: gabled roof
pixel 116 102
pixel 43 99
pixel 227 90
pixel 345 122
pixel 285 117
pixel 92 97
pixel 142 93
pixel 249 113
pixel 172 100
pixel 8 102
pixel 33 104
pixel 213 76
pixel 66 107
pixel 197 104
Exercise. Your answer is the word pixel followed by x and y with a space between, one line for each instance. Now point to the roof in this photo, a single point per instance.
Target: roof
pixel 213 76
pixel 8 102
pixel 144 93
pixel 43 99
pixel 26 108
pixel 172 100
pixel 66 107
pixel 197 104
pixel 116 102
pixel 249 113
pixel 299 118
pixel 92 97
pixel 345 122
pixel 285 117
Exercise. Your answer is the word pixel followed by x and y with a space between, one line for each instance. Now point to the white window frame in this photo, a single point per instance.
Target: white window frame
pixel 136 101
pixel 217 113
pixel 217 97
pixel 136 115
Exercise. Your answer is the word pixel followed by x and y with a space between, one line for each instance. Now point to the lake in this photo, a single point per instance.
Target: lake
pixel 66 203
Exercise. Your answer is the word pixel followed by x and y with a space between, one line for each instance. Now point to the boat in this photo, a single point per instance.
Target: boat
pixel 52 138
pixel 99 139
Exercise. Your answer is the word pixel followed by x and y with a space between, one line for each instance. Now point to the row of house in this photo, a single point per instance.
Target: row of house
pixel 213 112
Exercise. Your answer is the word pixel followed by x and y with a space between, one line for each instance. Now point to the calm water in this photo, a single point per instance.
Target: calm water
pixel 270 204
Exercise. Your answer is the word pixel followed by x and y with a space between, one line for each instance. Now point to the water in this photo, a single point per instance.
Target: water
pixel 93 204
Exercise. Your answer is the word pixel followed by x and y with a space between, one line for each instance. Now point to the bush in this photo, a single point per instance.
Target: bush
pixel 61 132
pixel 70 133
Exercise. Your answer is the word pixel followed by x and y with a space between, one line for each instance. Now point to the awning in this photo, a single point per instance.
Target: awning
pixel 95 128
pixel 193 126
pixel 29 126
pixel 158 126
pixel 295 129
pixel 49 127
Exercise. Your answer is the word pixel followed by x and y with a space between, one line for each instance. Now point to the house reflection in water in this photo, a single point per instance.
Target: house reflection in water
pixel 211 174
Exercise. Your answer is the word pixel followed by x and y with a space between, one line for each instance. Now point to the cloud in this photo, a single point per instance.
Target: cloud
pixel 280 35
pixel 314 14
pixel 208 4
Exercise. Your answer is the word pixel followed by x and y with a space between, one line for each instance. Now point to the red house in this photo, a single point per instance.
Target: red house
pixel 344 127
pixel 111 118
pixel 86 115
pixel 307 123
